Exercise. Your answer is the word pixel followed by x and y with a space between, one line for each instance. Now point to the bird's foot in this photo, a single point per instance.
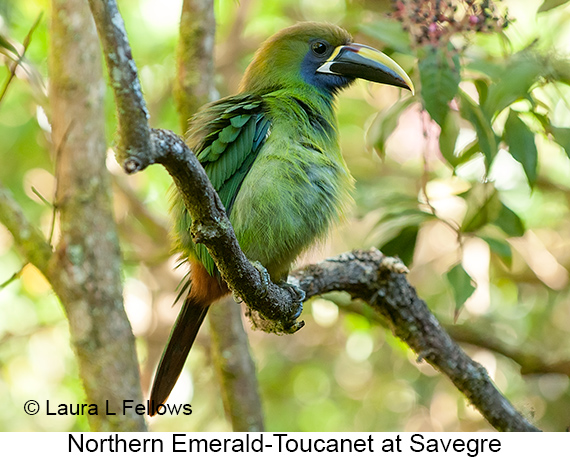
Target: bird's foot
pixel 297 295
pixel 265 280
pixel 284 318
pixel 237 298
pixel 264 276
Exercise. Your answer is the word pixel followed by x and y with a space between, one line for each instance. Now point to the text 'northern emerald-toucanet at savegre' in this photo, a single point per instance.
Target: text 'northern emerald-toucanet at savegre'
pixel 272 154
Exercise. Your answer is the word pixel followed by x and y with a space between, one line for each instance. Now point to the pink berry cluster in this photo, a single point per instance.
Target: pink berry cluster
pixel 434 22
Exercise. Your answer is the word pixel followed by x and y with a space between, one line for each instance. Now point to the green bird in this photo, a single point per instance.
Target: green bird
pixel 272 154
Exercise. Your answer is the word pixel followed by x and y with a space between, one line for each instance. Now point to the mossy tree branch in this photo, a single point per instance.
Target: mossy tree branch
pixel 29 240
pixel 380 282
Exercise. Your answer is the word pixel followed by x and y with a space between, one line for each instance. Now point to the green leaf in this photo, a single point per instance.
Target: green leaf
pixel 411 215
pixel 501 248
pixel 509 222
pixel 521 72
pixel 542 119
pixel 403 244
pixel 385 123
pixel 482 87
pixel 521 145
pixel 448 138
pixel 473 113
pixel 483 207
pixel 390 33
pixel 468 151
pixel 487 67
pixel 439 76
pixel 562 137
pixel 548 5
pixel 461 284
pixel 8 48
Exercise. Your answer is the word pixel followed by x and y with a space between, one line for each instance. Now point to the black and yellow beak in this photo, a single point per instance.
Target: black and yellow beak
pixel 360 61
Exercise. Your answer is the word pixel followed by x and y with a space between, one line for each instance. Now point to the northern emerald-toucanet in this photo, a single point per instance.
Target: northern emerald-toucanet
pixel 272 154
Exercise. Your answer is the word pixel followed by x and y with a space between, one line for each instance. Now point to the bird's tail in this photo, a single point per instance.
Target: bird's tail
pixel 205 290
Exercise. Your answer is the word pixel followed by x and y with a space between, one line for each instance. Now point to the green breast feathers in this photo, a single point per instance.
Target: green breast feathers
pixel 293 192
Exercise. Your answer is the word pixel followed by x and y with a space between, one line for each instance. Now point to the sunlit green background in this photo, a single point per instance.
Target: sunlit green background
pixel 343 371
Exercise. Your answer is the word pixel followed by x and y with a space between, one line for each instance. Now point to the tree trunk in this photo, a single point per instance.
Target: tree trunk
pixel 85 270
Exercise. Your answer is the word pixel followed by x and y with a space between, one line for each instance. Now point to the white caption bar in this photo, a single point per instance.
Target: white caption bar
pixel 365 444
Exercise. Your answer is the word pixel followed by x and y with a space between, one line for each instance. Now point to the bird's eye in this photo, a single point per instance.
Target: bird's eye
pixel 319 48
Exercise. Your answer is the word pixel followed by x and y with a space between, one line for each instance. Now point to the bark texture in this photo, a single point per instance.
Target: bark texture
pixel 85 270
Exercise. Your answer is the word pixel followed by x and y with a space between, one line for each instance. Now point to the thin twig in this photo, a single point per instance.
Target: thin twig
pixel 12 278
pixel 29 240
pixel 531 361
pixel 14 66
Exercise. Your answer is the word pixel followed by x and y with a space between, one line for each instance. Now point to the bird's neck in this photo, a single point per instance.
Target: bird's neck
pixel 307 112
pixel 316 99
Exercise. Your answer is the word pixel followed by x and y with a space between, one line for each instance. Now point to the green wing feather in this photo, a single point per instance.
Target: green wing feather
pixel 226 137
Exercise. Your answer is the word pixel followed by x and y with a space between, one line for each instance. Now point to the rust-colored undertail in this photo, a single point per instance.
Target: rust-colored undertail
pixel 204 291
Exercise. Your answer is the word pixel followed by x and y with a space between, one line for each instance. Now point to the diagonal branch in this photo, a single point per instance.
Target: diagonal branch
pixel 84 270
pixel 530 360
pixel 134 138
pixel 380 282
pixel 30 241
pixel 20 58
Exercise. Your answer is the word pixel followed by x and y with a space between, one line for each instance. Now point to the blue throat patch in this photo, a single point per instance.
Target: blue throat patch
pixel 326 83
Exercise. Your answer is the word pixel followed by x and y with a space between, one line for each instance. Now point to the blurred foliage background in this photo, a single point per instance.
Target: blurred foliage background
pixel 468 182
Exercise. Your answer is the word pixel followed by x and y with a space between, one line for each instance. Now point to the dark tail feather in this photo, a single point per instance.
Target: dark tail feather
pixel 179 344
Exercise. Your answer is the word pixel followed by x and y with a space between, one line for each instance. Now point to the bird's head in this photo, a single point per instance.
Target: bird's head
pixel 321 55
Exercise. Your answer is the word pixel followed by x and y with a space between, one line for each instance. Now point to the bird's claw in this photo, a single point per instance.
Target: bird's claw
pixel 295 291
pixel 297 325
pixel 265 280
pixel 290 324
pixel 298 296
pixel 237 298
pixel 264 276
